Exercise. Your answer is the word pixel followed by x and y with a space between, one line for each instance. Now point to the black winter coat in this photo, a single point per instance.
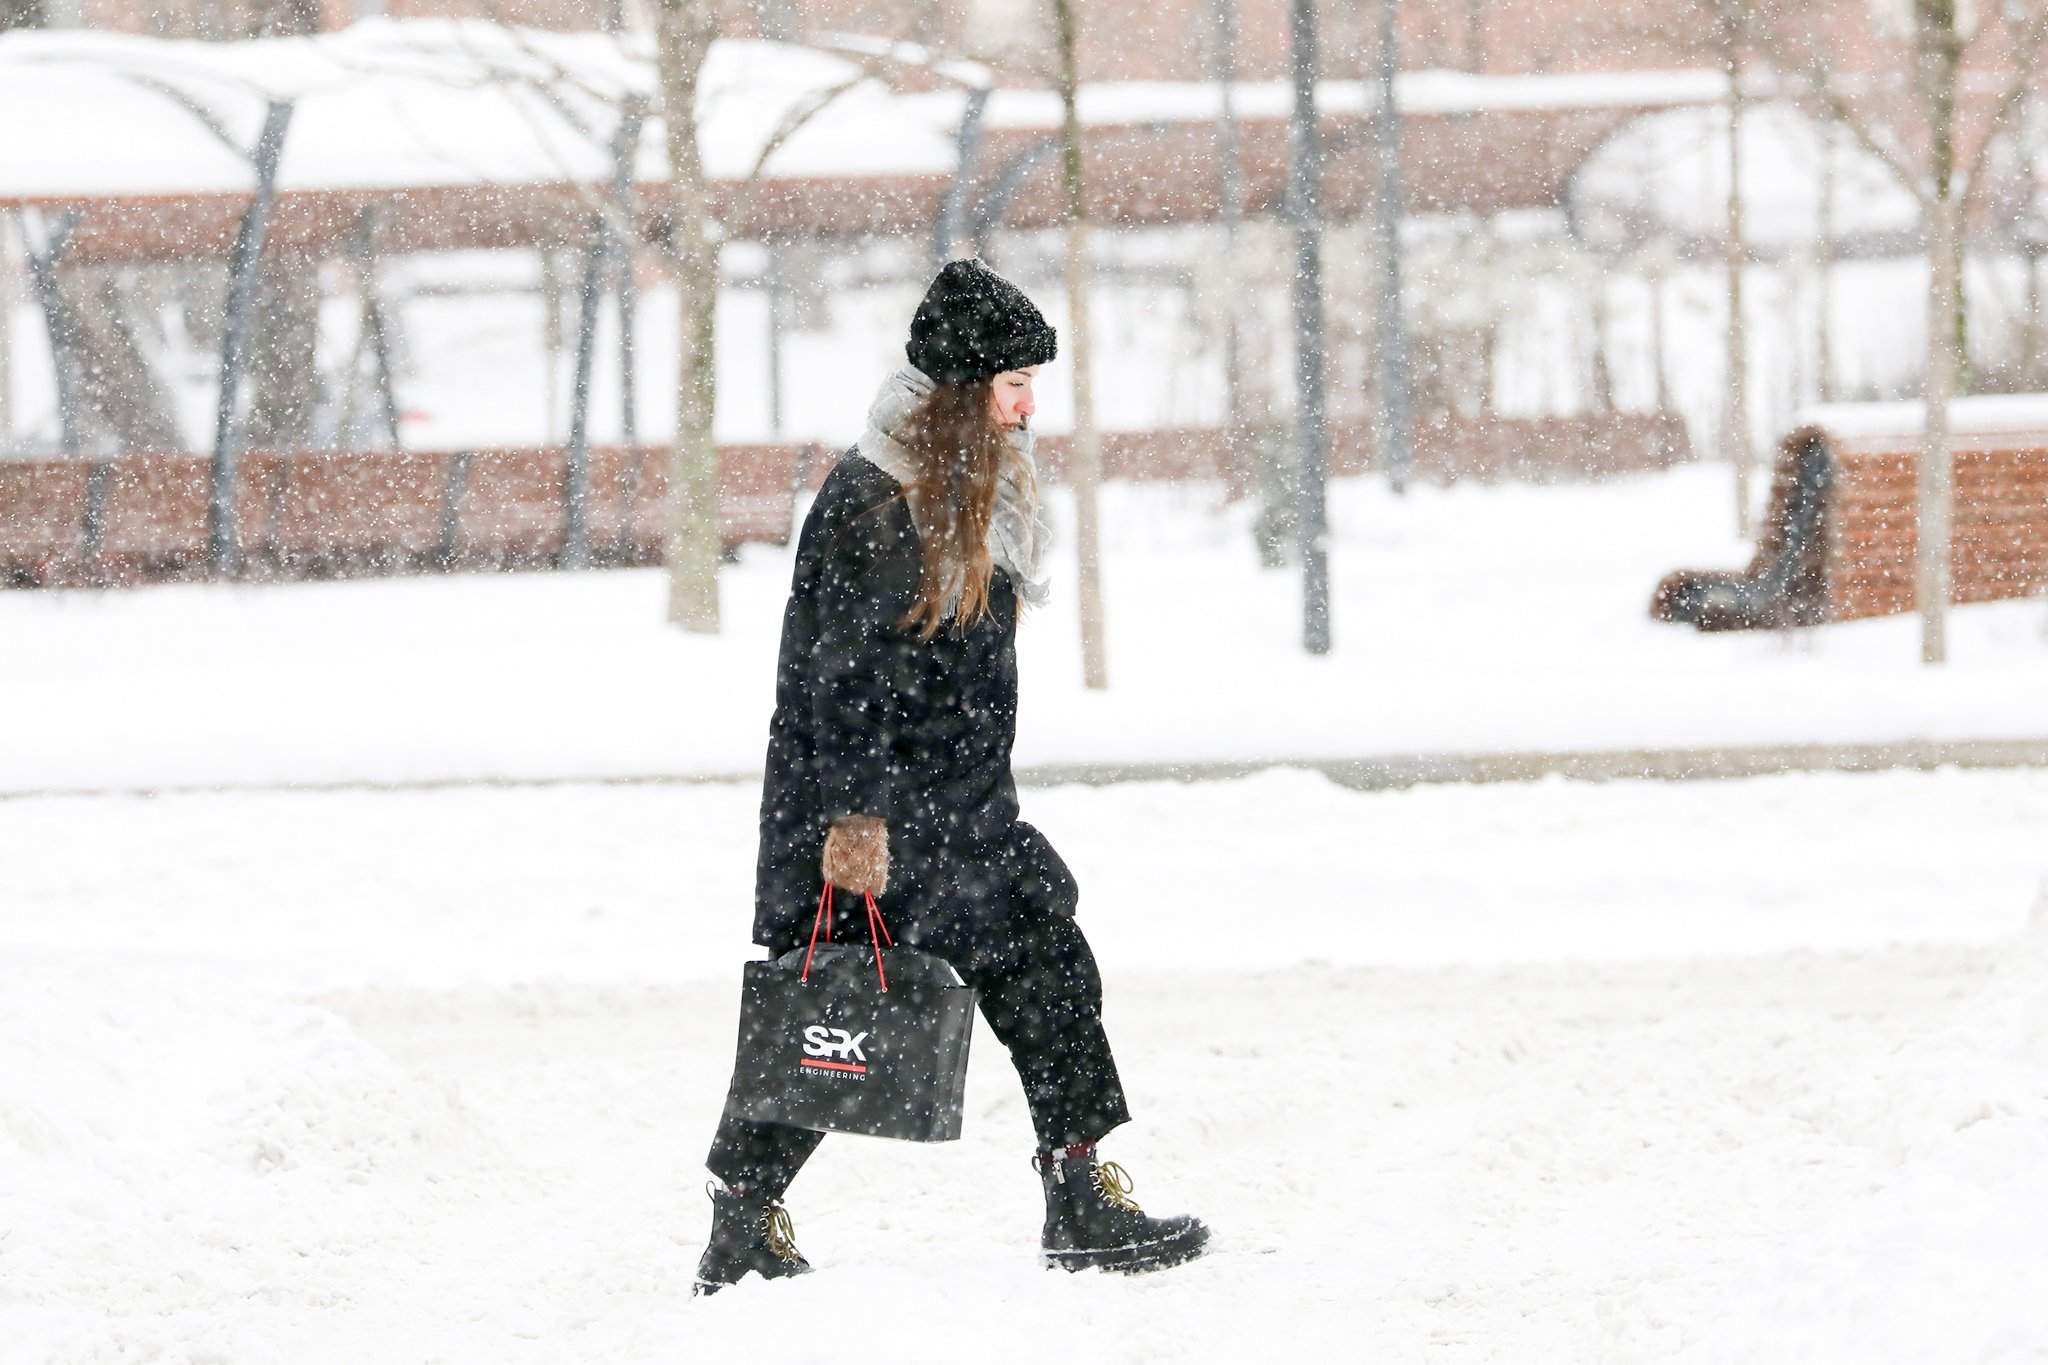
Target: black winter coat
pixel 871 720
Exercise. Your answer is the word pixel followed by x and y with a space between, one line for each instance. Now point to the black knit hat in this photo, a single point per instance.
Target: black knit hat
pixel 973 324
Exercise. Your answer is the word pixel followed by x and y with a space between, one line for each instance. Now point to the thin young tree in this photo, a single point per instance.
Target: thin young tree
pixel 1929 110
pixel 1725 34
pixel 1084 466
pixel 683 35
pixel 284 342
pixel 1730 42
pixel 1239 475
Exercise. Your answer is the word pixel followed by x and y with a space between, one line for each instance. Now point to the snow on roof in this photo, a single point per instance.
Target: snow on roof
pixel 413 103
pixel 959 70
pixel 420 102
pixel 1667 174
pixel 1981 415
pixel 1114 103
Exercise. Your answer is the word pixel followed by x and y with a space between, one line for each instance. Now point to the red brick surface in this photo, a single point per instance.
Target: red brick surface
pixel 317 514
pixel 2000 541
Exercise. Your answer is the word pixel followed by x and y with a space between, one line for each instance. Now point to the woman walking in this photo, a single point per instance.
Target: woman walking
pixel 889 771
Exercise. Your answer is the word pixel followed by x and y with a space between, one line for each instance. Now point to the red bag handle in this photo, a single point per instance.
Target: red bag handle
pixel 878 932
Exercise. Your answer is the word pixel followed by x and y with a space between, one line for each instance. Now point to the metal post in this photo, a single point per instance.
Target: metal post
pixel 57 319
pixel 629 416
pixel 576 480
pixel 1390 327
pixel 364 249
pixel 1311 433
pixel 626 240
pixel 453 492
pixel 778 20
pixel 1230 205
pixel 952 225
pixel 597 257
pixel 63 331
pixel 993 206
pixel 243 262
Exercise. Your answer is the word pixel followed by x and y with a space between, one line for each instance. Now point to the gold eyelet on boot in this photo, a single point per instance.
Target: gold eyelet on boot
pixel 1114 1184
pixel 781 1234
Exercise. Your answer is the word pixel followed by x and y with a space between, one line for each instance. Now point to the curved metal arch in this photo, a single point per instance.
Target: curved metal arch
pixel 953 209
pixel 994 204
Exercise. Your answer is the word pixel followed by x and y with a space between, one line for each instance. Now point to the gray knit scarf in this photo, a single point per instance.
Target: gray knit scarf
pixel 1018 533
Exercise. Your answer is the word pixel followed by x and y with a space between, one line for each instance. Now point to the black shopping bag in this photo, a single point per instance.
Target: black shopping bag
pixel 853 1040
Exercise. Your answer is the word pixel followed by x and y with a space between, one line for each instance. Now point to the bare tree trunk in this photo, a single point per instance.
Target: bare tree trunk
pixel 554 292
pixel 1939 59
pixel 685 32
pixel 1735 423
pixel 1085 467
pixel 1824 284
pixel 1936 492
pixel 2030 326
pixel 1602 374
pixel 1393 422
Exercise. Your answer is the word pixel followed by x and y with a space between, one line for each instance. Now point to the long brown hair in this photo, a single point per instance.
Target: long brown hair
pixel 960 451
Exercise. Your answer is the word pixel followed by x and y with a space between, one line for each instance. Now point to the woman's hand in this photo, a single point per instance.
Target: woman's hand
pixel 857 854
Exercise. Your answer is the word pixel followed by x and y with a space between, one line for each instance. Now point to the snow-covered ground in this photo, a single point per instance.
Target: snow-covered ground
pixel 1470 619
pixel 1742 1071
pixel 1713 1072
pixel 1739 1071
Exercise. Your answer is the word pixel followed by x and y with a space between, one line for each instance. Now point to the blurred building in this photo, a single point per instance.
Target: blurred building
pixel 1121 39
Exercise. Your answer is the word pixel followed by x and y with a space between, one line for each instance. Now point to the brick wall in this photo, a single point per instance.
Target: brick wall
pixel 318 514
pixel 1119 39
pixel 2000 537
pixel 325 514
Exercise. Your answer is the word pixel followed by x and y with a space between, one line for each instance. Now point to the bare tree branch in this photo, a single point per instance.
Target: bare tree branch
pixel 192 105
pixel 2026 53
pixel 799 114
pixel 1817 78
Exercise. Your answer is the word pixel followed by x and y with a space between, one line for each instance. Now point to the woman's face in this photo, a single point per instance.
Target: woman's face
pixel 1010 401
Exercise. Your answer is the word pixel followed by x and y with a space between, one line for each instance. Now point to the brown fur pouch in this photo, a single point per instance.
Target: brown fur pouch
pixel 857 854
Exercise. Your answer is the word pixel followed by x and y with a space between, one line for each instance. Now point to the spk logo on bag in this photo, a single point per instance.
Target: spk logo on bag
pixel 834 1049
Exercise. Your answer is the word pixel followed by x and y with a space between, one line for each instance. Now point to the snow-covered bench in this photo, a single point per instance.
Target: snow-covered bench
pixel 1841 532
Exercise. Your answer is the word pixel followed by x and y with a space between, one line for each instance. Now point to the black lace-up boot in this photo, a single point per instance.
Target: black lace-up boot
pixel 1091 1222
pixel 748 1232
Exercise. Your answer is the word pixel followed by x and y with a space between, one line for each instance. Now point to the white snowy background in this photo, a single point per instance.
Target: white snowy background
pixel 1553 1071
pixel 394 1024
pixel 1706 1072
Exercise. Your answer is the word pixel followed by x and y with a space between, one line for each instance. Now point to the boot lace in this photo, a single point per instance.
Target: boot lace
pixel 1114 1184
pixel 781 1234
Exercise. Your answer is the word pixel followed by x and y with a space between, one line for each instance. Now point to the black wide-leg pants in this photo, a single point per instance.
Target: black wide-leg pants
pixel 1041 993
